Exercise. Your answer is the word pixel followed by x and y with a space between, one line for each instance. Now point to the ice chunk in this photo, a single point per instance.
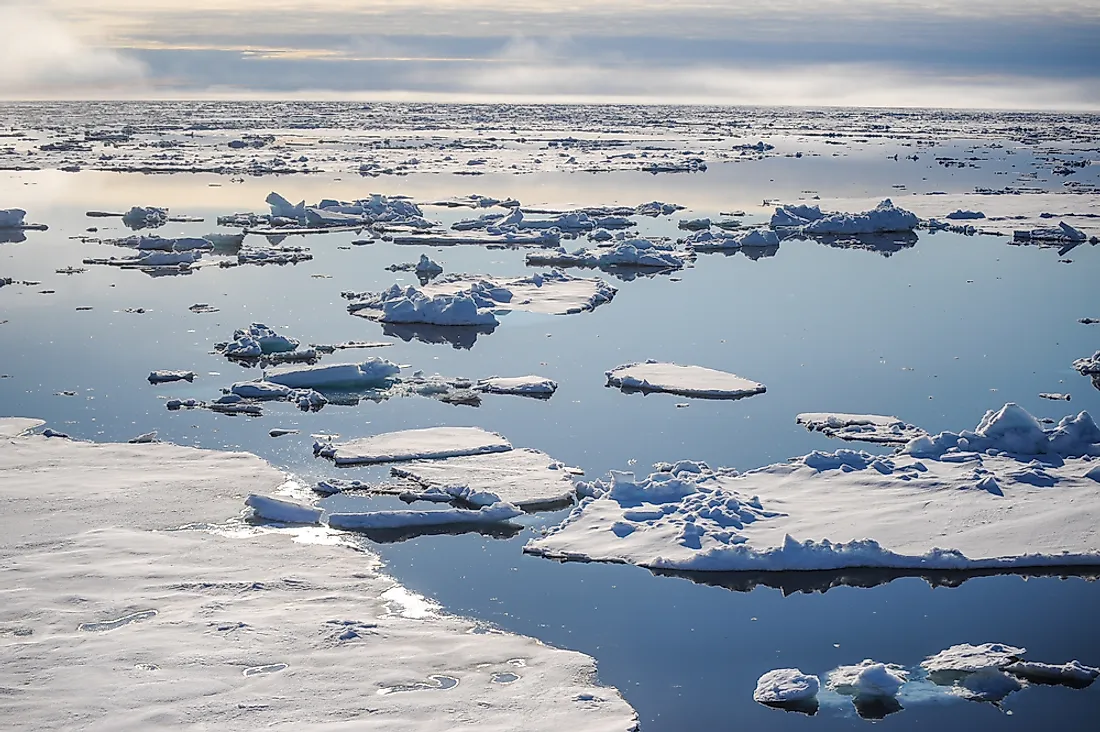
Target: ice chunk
pixel 288 512
pixel 372 372
pixel 11 218
pixel 961 214
pixel 497 513
pixel 523 385
pixel 691 381
pixel 1062 232
pixel 795 216
pixel 868 679
pixel 785 685
pixel 1012 430
pixel 259 335
pixel 144 439
pixel 1088 366
pixel 145 217
pixel 884 218
pixel 285 209
pixel 160 377
pixel 426 266
pixel 966 658
pixel 1073 673
pixel 526 478
pixel 861 427
pixel 411 305
pixel 627 253
pixel 706 241
pixel 260 390
pixel 419 444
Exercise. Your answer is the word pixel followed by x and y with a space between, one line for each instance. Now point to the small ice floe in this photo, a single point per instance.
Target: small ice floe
pixel 1054 396
pixel 332 486
pixel 372 372
pixel 281 432
pixel 152 259
pixel 690 381
pixel 260 390
pixel 526 478
pixel 283 208
pixel 420 444
pixel 706 241
pixel 258 340
pixel 625 253
pixel 144 439
pixel 1073 674
pixel 789 689
pixel 425 268
pixel 965 658
pixel 860 427
pixel 795 216
pixel 271 255
pixel 145 217
pixel 1061 233
pixel 161 377
pixel 163 244
pixel 497 513
pixel 1003 496
pixel 884 218
pixel 868 679
pixel 282 511
pixel 202 307
pixel 535 386
pixel 1088 366
pixel 962 215
pixel 225 243
pixel 694 224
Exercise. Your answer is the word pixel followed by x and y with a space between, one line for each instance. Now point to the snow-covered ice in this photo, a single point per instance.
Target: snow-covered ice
pixel 868 679
pixel 1088 366
pixel 283 511
pixel 1006 495
pixel 257 340
pixel 860 427
pixel 966 658
pixel 523 477
pixel 884 218
pixel 1073 673
pixel 163 376
pixel 690 381
pixel 496 513
pixel 706 241
pixel 537 386
pixel 419 444
pixel 795 216
pixel 220 628
pixel 145 217
pixel 372 372
pixel 640 253
pixel 1063 232
pixel 785 685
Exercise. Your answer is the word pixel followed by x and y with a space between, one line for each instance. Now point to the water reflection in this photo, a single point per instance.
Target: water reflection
pixel 461 337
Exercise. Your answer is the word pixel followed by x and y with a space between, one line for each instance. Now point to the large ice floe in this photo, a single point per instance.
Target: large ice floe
pixel 419 444
pixel 690 381
pixel 463 300
pixel 1005 495
pixel 860 427
pixel 532 386
pixel 810 220
pixel 372 372
pixel 638 253
pixel 213 624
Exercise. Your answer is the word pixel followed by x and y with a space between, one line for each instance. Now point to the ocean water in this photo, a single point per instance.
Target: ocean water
pixel 934 330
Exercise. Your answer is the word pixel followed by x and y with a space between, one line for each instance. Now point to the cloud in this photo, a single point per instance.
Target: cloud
pixel 42 57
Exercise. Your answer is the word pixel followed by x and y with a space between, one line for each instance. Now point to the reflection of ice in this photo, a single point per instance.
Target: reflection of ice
pixel 459 337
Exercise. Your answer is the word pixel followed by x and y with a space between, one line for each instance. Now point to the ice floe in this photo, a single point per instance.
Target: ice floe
pixel 860 427
pixel 164 376
pixel 706 241
pixel 1006 495
pixel 536 386
pixel 884 218
pixel 785 685
pixel 145 217
pixel 11 218
pixel 16 426
pixel 690 381
pixel 418 444
pixel 964 214
pixel 626 253
pixel 276 509
pixel 868 679
pixel 1073 673
pixel 372 372
pixel 257 340
pixel 1061 233
pixel 496 513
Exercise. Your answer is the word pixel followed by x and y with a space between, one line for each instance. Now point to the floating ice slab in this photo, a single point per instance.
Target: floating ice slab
pixel 786 685
pixel 421 444
pixel 257 340
pixel 260 390
pixel 526 478
pixel 965 658
pixel 860 427
pixel 1073 673
pixel 160 377
pixel 884 218
pixel 287 512
pixel 868 679
pixel 1007 495
pixel 538 386
pixel 372 372
pixel 145 217
pixel 16 426
pixel 641 253
pixel 690 381
pixel 497 513
pixel 706 241
pixel 233 616
pixel 964 214
pixel 1061 232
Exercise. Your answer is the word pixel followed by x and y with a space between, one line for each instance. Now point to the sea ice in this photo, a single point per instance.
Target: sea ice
pixel 145 217
pixel 706 241
pixel 965 658
pixel 261 390
pixel 257 340
pixel 1088 366
pixel 785 685
pixel 419 444
pixel 1004 496
pixel 277 509
pixel 1073 673
pixel 691 381
pixel 795 216
pixel 537 386
pixel 283 208
pixel 860 427
pixel 16 426
pixel 160 377
pixel 625 253
pixel 496 513
pixel 372 372
pixel 868 679
pixel 884 218
pixel 523 477
pixel 963 214
pixel 1061 233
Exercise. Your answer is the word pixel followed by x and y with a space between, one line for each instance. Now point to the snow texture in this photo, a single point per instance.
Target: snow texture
pixel 287 512
pixel 258 340
pixel 219 629
pixel 640 253
pixel 523 477
pixel 421 444
pixel 16 426
pixel 372 372
pixel 966 658
pixel 860 427
pixel 785 685
pixel 497 513
pixel 538 386
pixel 1004 496
pixel 690 381
pixel 868 679
pixel 884 218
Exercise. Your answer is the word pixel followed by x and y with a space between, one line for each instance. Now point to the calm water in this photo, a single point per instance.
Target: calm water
pixel 935 333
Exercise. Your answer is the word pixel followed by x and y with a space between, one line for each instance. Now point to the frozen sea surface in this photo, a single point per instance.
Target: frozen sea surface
pixel 935 328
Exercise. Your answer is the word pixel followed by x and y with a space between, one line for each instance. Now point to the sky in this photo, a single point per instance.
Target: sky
pixel 1006 54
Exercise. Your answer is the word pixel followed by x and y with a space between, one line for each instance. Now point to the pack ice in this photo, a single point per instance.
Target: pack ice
pixel 242 629
pixel 690 381
pixel 372 372
pixel 1006 494
pixel 640 253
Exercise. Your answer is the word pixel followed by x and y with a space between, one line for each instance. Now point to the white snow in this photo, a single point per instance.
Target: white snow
pixel 173 619
pixel 868 679
pixel 522 385
pixel 372 372
pixel 277 509
pixel 1007 495
pixel 884 218
pixel 860 427
pixel 691 381
pixel 497 513
pixel 785 685
pixel 640 253
pixel 966 658
pixel 11 218
pixel 418 444
pixel 16 426
pixel 524 477
pixel 413 305
pixel 159 377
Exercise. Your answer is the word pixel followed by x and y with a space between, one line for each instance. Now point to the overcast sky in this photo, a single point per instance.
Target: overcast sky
pixel 1039 54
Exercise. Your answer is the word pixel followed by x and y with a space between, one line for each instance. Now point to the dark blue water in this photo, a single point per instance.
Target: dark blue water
pixel 936 333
